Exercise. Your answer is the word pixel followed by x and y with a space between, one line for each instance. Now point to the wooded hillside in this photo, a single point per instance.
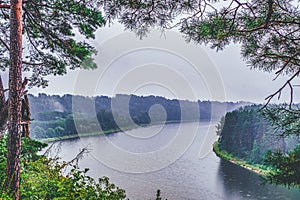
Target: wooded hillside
pixel 53 115
pixel 246 134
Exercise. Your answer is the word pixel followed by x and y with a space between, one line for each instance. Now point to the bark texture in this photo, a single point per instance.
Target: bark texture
pixel 26 118
pixel 3 110
pixel 12 182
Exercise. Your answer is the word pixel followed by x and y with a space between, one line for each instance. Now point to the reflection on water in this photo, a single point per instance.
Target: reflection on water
pixel 240 183
pixel 187 177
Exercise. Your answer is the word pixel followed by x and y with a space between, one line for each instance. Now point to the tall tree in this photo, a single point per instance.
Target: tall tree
pixel 14 102
pixel 49 29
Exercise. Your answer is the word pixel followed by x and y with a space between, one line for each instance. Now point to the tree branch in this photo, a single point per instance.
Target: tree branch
pixel 33 64
pixel 24 84
pixel 278 92
pixel 292 95
pixel 79 156
pixel 266 22
pixel 286 63
pixel 4 43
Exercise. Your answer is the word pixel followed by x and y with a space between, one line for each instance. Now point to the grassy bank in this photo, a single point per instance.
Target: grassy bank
pixel 257 168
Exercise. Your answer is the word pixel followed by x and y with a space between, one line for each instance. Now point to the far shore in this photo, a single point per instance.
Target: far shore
pixel 112 131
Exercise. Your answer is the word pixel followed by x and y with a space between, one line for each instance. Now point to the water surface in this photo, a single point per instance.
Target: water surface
pixel 173 158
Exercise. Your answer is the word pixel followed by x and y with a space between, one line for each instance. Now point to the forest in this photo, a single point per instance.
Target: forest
pixel 53 115
pixel 248 134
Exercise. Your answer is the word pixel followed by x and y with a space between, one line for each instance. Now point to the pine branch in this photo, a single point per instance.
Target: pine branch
pixel 278 92
pixel 4 43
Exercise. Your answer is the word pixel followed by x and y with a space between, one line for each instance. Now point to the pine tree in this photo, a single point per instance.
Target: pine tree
pixel 48 29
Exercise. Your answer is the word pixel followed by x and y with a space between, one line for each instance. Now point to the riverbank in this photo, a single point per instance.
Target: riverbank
pixel 67 137
pixel 256 168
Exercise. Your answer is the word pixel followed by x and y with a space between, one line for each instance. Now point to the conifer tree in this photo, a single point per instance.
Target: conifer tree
pixel 46 30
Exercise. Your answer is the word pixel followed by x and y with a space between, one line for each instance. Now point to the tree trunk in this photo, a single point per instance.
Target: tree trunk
pixel 12 182
pixel 25 116
pixel 3 110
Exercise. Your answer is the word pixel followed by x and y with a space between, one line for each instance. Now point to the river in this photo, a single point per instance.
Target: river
pixel 175 158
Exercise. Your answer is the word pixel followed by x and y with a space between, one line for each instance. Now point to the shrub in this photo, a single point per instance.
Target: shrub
pixel 42 177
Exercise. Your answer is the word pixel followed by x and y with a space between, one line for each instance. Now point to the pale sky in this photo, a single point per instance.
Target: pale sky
pixel 165 65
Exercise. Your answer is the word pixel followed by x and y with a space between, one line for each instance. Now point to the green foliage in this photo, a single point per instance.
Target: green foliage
pixel 42 178
pixel 30 149
pixel 3 152
pixel 221 153
pixel 50 132
pixel 255 156
pixel 286 167
pixel 49 29
pixel 248 136
pixel 258 168
pixel 220 125
pixel 284 119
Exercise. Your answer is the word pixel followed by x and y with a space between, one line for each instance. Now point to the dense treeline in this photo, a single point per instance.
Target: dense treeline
pixel 55 116
pixel 246 134
pixel 136 104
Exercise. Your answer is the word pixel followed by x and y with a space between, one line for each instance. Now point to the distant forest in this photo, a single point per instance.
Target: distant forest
pixel 246 134
pixel 59 116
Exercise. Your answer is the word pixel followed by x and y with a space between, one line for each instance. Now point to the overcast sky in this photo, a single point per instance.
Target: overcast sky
pixel 165 65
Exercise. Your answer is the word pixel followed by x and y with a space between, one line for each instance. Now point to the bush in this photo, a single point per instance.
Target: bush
pixel 42 177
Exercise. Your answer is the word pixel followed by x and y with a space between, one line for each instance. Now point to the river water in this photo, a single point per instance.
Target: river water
pixel 175 158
